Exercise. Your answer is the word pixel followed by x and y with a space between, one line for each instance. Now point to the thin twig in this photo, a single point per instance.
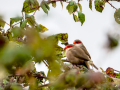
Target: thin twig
pixel 45 63
pixel 6 23
pixel 34 12
pixel 15 24
pixel 112 5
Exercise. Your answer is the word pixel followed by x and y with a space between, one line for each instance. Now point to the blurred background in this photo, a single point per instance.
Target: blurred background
pixel 94 32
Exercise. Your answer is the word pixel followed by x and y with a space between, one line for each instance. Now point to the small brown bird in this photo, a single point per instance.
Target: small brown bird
pixel 78 43
pixel 76 56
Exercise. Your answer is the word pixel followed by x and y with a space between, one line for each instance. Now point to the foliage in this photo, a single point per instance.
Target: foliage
pixel 21 47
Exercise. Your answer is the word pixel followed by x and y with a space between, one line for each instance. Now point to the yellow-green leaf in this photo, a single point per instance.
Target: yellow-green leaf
pixel 70 8
pixel 75 18
pixel 54 4
pixel 2 23
pixel 90 4
pixel 117 16
pixel 43 28
pixel 17 31
pixel 71 3
pixel 80 7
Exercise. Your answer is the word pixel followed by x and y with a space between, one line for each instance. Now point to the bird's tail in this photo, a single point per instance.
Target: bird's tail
pixel 92 64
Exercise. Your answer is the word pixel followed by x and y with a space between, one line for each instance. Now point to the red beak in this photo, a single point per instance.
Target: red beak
pixel 65 48
pixel 74 42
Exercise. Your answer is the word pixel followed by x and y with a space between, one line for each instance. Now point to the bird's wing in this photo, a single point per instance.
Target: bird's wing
pixel 79 53
pixel 85 50
pixel 72 58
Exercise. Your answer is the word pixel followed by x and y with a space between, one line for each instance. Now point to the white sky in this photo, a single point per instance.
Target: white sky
pixel 92 33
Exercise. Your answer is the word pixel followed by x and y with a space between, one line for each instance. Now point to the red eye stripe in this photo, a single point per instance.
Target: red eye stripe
pixel 68 47
pixel 76 42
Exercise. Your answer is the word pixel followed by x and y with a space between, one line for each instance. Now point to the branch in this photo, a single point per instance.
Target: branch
pixel 45 63
pixel 111 5
pixel 6 23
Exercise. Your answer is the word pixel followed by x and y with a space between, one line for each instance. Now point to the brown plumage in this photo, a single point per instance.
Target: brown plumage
pixel 78 43
pixel 76 56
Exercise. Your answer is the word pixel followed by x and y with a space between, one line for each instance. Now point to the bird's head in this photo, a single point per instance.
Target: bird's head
pixel 68 46
pixel 77 41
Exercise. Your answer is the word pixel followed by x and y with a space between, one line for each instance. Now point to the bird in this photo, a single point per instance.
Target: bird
pixel 76 55
pixel 78 43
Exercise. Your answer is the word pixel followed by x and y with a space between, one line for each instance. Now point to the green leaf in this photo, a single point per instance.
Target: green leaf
pixel 18 55
pixel 54 38
pixel 17 31
pixel 54 4
pixel 2 23
pixel 59 51
pixel 30 19
pixel 9 34
pixel 63 37
pixel 23 24
pixel 99 5
pixel 71 3
pixel 61 3
pixel 70 77
pixel 81 17
pixel 16 19
pixel 47 6
pixel 113 42
pixel 41 28
pixel 16 87
pixel 117 16
pixel 27 15
pixel 30 6
pixel 70 8
pixel 32 1
pixel 90 4
pixel 44 8
pixel 75 18
pixel 74 8
pixel 80 7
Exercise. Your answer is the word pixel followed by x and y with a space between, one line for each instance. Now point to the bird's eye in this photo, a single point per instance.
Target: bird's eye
pixel 71 46
pixel 78 42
